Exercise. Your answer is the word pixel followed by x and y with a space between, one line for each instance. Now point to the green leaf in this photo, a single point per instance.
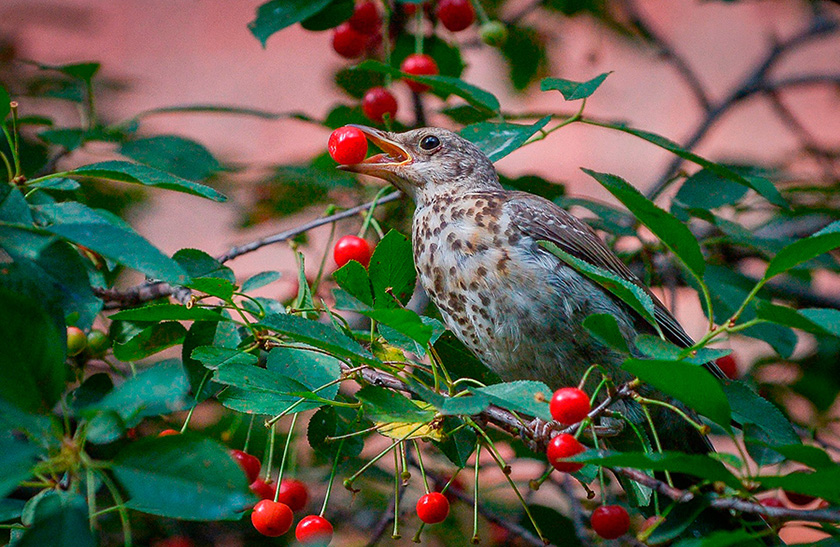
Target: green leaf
pixel 200 264
pixel 458 443
pixel 335 13
pixel 673 233
pixel 805 249
pixel 328 423
pixel 32 370
pixel 557 528
pixel 123 247
pixel 150 340
pixel 572 90
pixel 18 235
pixel 184 477
pixel 169 312
pixel 317 335
pixel 259 391
pixel 825 321
pixel 708 190
pixel 214 357
pixel 451 406
pixel 444 85
pixel 17 458
pixel 812 456
pixel 353 278
pixel 182 157
pixel 260 280
pixel 750 408
pixel 65 185
pixel 385 405
pixel 822 483
pixel 275 15
pixel 604 327
pixel 696 465
pixel 158 390
pixel 497 140
pixel 763 186
pixel 214 286
pixel 526 55
pixel 403 341
pixel 216 334
pixel 688 383
pixel 392 270
pixel 10 509
pixel 356 82
pixel 123 171
pixel 58 519
pixel 303 300
pixel 525 396
pixel 5 101
pixel 629 293
pixel 312 369
pixel 82 71
pixel 724 538
pixel 405 322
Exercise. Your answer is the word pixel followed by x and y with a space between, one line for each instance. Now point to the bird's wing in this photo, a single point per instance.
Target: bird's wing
pixel 545 220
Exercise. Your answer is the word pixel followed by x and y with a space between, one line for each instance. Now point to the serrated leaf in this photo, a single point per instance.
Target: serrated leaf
pixel 259 391
pixel 749 407
pixel 805 249
pixel 214 286
pixel 525 396
pixel 353 278
pixel 822 483
pixel 214 357
pixel 168 312
pixel 392 270
pixel 182 157
pixel 497 140
pixel 691 384
pixel 572 90
pixel 525 52
pixel 673 233
pixel 136 173
pixel 405 322
pixel 328 423
pixel 385 405
pixel 629 293
pixel 200 264
pixel 275 15
pixel 317 335
pixel 182 476
pixel 604 327
pixel 696 465
pixel 707 190
pixel 312 369
pixel 150 340
pixel 260 280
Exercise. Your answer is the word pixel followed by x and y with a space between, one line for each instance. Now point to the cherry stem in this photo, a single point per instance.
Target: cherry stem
pixel 418 31
pixel 475 491
pixel 382 454
pixel 656 439
pixel 330 210
pixel 480 11
pixel 422 469
pixel 248 434
pixel 703 429
pixel 332 477
pixel 395 533
pixel 283 458
pixel 270 458
pixel 197 395
pixel 371 210
pixel 386 40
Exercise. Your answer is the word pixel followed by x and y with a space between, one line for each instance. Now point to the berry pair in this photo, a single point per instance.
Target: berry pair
pixel 274 518
pixel 351 38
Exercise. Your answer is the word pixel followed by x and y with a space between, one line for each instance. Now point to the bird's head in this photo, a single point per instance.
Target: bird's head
pixel 427 161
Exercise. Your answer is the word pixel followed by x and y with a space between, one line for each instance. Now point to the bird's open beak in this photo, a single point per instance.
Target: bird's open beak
pixel 380 165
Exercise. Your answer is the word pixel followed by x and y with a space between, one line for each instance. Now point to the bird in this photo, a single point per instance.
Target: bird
pixel 515 305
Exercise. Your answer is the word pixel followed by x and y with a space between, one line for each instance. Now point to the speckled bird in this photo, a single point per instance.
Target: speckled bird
pixel 514 304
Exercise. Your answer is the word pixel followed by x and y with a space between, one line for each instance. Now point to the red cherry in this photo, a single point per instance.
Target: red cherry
pixel 348 42
pixel 772 502
pixel 294 494
pixel 728 365
pixel 347 145
pixel 409 9
pixel 351 248
pixel 377 102
pixel 76 341
pixel 271 518
pixel 796 498
pixel 432 508
pixel 610 521
pixel 250 464
pixel 455 15
pixel 569 405
pixel 564 446
pixel 418 64
pixel 262 489
pixel 365 18
pixel 168 432
pixel 314 529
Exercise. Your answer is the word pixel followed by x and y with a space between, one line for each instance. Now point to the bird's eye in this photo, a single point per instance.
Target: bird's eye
pixel 429 142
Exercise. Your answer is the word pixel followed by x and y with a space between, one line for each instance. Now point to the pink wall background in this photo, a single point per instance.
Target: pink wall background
pixel 173 52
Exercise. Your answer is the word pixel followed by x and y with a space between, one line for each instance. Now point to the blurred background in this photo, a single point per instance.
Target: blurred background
pixel 677 68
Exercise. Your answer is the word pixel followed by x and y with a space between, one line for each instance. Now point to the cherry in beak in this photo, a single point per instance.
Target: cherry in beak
pixel 384 164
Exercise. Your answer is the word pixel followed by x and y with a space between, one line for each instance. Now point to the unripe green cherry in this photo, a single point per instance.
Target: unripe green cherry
pixel 493 33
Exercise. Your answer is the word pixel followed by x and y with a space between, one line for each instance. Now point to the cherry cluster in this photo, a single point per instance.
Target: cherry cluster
pixel 363 32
